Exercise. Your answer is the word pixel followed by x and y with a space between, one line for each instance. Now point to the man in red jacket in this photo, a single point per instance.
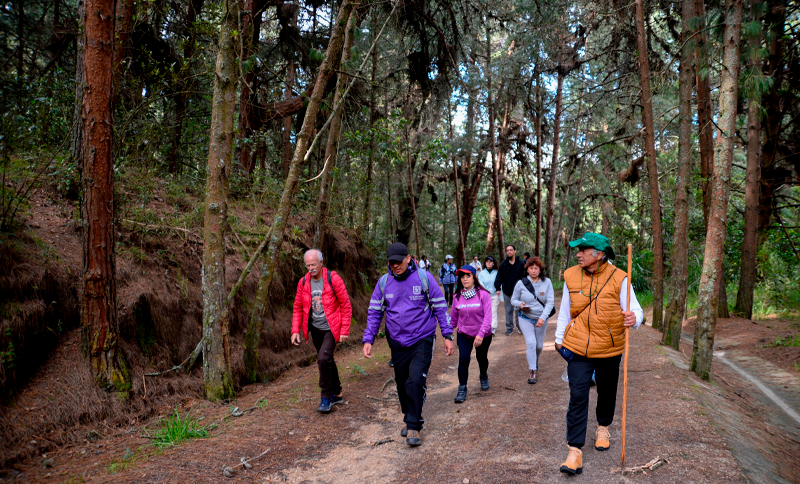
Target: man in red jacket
pixel 322 307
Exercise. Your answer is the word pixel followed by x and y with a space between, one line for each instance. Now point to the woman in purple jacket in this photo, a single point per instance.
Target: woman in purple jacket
pixel 471 317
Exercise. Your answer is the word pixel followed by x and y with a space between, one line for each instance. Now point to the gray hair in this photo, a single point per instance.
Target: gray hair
pixel 314 251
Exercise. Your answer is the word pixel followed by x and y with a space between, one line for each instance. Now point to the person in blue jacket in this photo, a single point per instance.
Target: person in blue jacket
pixel 413 304
pixel 447 276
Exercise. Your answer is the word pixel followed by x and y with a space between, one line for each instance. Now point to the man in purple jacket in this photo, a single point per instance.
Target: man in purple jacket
pixel 412 308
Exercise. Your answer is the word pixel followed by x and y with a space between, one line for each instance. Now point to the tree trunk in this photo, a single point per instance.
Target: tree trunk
pixel 76 131
pixel 444 225
pixel 551 196
pixel 286 140
pixel 99 296
pixel 460 246
pixel 705 130
pixel 708 296
pixel 217 379
pixel 411 192
pixel 248 119
pixel 334 134
pixel 680 245
pixel 495 215
pixel 747 276
pixel 652 169
pixel 471 179
pixel 373 117
pixel 539 141
pixel 273 249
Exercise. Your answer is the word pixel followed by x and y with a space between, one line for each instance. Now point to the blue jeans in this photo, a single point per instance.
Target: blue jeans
pixel 512 317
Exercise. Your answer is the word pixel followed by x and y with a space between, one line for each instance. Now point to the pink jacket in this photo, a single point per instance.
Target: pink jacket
pixel 473 316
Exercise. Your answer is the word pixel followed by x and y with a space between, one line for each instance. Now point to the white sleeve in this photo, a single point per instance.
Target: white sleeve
pixel 635 307
pixel 563 315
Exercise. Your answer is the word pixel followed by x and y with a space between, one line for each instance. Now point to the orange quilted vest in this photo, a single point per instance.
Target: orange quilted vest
pixel 595 329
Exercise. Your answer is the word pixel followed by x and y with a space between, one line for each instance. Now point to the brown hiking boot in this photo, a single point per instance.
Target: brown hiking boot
pixel 413 439
pixel 574 463
pixel 601 438
pixel 532 377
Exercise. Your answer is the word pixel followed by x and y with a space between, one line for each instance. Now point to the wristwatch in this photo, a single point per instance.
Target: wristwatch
pixel 451 336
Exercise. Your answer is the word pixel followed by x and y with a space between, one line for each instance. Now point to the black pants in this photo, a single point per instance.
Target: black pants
pixel 465 351
pixel 411 365
pixel 580 371
pixel 448 293
pixel 328 373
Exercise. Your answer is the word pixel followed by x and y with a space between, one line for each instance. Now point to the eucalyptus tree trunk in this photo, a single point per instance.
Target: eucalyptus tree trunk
pixel 680 245
pixel 286 137
pixel 248 118
pixel 272 250
pixel 705 130
pixel 551 196
pixel 76 131
pixel 373 117
pixel 652 168
pixel 539 140
pixel 334 134
pixel 217 380
pixel 100 328
pixel 747 276
pixel 708 296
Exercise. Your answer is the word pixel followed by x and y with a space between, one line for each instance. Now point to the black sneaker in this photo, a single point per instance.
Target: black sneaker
pixel 484 383
pixel 404 433
pixel 337 400
pixel 532 377
pixel 462 394
pixel 325 405
pixel 391 363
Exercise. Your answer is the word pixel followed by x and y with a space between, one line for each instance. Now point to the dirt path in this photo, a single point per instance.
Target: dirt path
pixel 512 433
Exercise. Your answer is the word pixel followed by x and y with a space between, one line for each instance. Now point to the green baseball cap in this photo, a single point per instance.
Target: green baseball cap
pixel 594 241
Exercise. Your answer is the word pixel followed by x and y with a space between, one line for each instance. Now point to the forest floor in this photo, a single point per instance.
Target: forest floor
pixel 723 431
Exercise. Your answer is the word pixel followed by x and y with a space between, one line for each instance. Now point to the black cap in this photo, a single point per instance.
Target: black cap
pixel 396 252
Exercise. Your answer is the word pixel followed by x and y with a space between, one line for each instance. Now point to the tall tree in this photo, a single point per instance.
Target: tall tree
pixel 275 237
pixel 539 141
pixel 747 275
pixel 495 215
pixel 217 378
pixel 652 167
pixel 551 196
pixel 248 115
pixel 99 294
pixel 708 296
pixel 680 245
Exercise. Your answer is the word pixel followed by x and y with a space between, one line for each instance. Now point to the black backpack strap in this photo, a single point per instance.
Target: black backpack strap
pixel 330 283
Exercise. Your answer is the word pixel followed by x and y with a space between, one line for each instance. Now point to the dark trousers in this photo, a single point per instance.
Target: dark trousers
pixel 580 371
pixel 411 365
pixel 448 293
pixel 465 345
pixel 328 373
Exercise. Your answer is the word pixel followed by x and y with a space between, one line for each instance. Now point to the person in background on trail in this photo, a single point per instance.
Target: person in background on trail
pixel 322 307
pixel 471 317
pixel 413 304
pixel 487 277
pixel 476 264
pixel 447 276
pixel 591 336
pixel 534 297
pixel 527 256
pixel 509 273
pixel 424 264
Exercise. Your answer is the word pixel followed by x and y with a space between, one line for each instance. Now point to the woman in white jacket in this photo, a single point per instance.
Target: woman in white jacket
pixel 486 277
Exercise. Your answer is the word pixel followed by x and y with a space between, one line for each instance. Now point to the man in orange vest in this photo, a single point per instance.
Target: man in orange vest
pixel 591 337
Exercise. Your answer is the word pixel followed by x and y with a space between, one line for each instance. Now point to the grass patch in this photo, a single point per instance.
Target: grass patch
pixel 129 459
pixel 789 341
pixel 645 299
pixel 175 429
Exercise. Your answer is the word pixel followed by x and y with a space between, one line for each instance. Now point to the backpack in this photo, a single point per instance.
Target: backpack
pixel 529 287
pixel 423 278
pixel 330 283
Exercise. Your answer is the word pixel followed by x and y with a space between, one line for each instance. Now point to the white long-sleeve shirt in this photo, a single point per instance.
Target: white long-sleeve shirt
pixel 564 314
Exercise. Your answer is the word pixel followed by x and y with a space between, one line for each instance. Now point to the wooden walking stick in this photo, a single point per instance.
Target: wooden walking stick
pixel 625 364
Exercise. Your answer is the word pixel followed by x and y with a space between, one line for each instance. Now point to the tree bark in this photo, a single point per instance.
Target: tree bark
pixel 76 131
pixel 411 191
pixel 460 246
pixel 652 169
pixel 272 253
pixel 747 275
pixel 495 215
pixel 217 379
pixel 472 177
pixel 99 296
pixel 705 130
pixel 286 158
pixel 680 245
pixel 373 117
pixel 248 117
pixel 539 141
pixel 334 134
pixel 708 296
pixel 551 196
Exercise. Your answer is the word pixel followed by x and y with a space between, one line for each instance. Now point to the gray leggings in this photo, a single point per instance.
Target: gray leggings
pixel 534 340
